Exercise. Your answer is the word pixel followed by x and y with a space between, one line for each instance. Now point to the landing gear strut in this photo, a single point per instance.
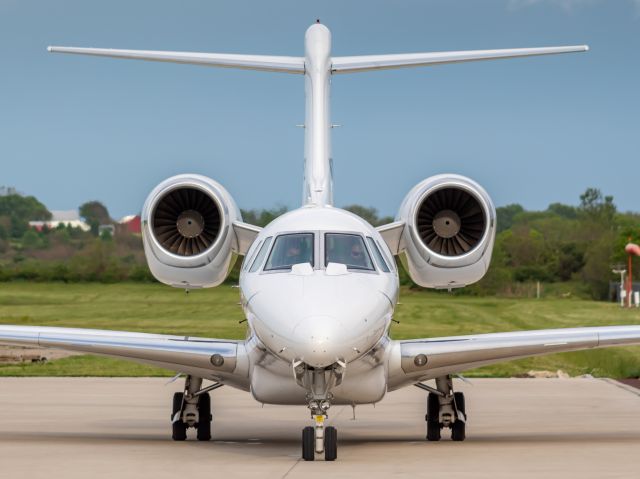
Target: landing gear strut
pixel 318 438
pixel 192 408
pixel 445 409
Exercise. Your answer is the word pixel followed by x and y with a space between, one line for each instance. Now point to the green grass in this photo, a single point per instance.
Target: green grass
pixel 215 313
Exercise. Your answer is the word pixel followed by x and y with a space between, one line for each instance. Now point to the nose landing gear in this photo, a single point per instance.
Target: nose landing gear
pixel 318 438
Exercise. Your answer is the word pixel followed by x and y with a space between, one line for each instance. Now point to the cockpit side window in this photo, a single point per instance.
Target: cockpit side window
pixel 260 257
pixel 377 255
pixel 251 254
pixel 347 249
pixel 290 249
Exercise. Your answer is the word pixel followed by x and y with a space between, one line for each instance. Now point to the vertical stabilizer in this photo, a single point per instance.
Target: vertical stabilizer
pixel 317 145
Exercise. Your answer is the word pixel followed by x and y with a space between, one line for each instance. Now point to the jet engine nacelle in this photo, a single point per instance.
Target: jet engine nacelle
pixel 187 231
pixel 450 227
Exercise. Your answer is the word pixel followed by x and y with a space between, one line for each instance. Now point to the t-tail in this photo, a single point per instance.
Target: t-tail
pixel 317 66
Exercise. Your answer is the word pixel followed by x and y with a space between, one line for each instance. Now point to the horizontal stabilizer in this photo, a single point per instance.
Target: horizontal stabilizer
pixel 384 62
pixel 225 60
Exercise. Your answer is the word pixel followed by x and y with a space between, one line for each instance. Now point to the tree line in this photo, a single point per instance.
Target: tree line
pixel 571 246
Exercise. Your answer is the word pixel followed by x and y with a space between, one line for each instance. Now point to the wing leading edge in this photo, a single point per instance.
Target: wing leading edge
pixel 268 63
pixel 205 357
pixel 454 354
pixel 365 63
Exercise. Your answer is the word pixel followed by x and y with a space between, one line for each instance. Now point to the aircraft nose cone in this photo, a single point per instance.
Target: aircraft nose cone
pixel 317 339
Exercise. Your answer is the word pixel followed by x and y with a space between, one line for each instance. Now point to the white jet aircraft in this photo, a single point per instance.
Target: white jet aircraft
pixel 319 285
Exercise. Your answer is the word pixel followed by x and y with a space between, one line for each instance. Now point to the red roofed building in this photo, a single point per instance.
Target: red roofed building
pixel 132 224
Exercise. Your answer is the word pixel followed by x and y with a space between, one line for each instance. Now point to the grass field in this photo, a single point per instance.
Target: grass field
pixel 215 313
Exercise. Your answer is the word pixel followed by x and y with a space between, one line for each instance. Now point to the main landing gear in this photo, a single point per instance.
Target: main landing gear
pixel 445 409
pixel 192 408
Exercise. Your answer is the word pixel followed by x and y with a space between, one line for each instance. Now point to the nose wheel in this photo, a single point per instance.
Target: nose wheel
pixel 319 439
pixel 328 439
pixel 330 444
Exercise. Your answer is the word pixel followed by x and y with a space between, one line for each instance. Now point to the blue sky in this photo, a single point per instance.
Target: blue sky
pixel 532 131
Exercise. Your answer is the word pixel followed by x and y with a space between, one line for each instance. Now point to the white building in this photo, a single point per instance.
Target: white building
pixel 61 217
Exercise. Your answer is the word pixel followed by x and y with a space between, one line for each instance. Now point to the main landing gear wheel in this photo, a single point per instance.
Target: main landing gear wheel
pixel 178 428
pixel 203 428
pixel 330 443
pixel 458 427
pixel 308 443
pixel 433 417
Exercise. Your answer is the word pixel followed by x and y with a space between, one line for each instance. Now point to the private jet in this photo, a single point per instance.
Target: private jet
pixel 319 285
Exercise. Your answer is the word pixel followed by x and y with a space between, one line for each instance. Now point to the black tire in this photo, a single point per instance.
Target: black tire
pixel 330 443
pixel 433 417
pixel 203 429
pixel 177 403
pixel 459 399
pixel 308 446
pixel 458 431
pixel 178 428
pixel 458 428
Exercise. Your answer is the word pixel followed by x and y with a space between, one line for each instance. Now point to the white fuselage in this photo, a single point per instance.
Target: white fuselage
pixel 317 313
pixel 313 313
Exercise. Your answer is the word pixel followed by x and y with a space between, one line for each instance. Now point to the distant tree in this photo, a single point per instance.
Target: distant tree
pixel 369 214
pixel 106 235
pixel 569 260
pixel 61 234
pixel 262 217
pixel 16 211
pixel 95 214
pixel 565 211
pixel 597 268
pixel 27 208
pixel 506 216
pixel 597 208
pixel 31 239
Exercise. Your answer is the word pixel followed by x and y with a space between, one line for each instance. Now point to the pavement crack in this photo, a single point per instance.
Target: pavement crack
pixel 291 468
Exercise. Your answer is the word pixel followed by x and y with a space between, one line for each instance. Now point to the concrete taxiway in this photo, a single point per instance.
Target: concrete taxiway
pixel 119 428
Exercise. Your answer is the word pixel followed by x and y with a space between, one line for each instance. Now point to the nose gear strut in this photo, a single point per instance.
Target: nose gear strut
pixel 318 438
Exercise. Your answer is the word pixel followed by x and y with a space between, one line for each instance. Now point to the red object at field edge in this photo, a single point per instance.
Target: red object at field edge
pixel 632 248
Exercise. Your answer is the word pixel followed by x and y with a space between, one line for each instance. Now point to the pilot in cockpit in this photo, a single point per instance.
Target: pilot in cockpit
pixel 357 255
pixel 293 256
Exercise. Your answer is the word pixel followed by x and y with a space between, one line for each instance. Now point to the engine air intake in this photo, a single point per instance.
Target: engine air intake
pixel 186 221
pixel 451 221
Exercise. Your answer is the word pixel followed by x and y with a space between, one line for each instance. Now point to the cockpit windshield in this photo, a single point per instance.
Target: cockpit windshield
pixel 347 249
pixel 290 249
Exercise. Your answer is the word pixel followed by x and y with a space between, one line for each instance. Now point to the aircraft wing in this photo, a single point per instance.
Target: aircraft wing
pixel 423 359
pixel 363 63
pixel 208 358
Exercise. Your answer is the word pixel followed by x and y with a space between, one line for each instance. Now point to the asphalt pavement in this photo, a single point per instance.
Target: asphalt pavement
pixel 119 428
